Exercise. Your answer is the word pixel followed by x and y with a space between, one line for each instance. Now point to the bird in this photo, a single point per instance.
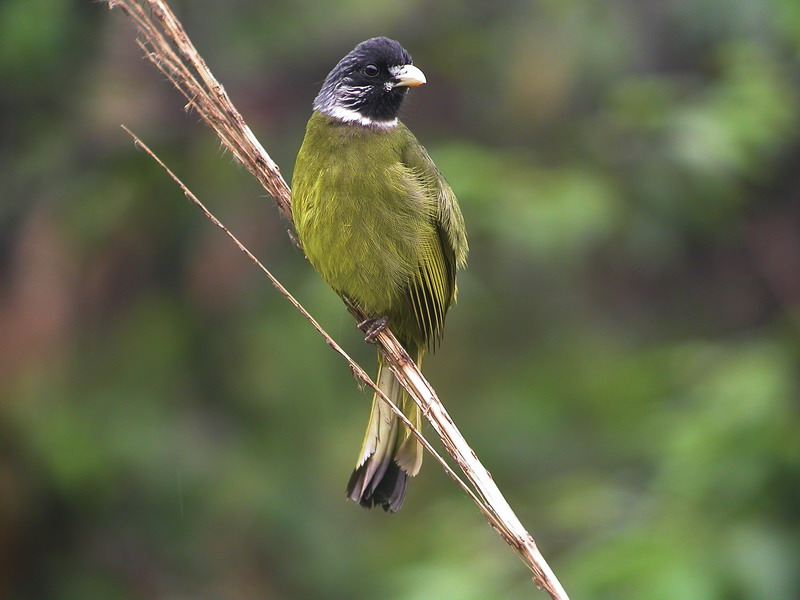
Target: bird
pixel 380 224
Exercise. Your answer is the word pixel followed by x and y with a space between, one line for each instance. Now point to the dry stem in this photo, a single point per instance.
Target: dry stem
pixel 168 47
pixel 355 368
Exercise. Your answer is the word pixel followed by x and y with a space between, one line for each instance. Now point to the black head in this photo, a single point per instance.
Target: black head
pixel 369 84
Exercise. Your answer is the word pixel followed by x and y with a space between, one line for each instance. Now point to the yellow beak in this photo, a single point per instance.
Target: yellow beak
pixel 408 76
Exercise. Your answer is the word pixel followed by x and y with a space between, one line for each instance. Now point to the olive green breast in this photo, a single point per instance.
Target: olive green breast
pixel 365 219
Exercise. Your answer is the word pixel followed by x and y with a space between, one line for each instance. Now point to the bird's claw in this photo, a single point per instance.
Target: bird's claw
pixel 372 327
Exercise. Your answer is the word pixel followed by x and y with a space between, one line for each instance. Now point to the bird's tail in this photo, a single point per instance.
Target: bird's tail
pixel 390 452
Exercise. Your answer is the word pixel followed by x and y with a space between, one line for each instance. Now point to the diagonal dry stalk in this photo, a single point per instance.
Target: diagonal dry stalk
pixel 168 47
pixel 355 368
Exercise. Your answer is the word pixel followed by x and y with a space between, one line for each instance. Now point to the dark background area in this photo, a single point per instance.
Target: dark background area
pixel 623 357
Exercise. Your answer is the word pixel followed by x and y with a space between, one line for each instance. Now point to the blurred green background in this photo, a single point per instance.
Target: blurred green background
pixel 623 357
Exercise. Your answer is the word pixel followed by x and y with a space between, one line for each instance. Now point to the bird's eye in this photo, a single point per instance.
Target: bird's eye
pixel 371 71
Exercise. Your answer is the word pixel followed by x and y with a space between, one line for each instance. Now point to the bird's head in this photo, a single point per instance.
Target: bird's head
pixel 368 85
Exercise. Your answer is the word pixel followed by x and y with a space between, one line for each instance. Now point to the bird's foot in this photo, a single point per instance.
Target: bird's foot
pixel 372 327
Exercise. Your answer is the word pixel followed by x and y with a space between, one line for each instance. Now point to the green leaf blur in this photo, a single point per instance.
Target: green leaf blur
pixel 623 357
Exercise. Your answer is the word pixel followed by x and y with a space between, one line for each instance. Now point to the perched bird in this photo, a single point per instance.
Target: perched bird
pixel 381 225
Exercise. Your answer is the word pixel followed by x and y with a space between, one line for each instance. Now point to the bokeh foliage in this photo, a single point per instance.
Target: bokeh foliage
pixel 624 354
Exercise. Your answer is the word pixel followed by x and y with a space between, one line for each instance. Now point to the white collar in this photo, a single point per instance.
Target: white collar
pixel 348 115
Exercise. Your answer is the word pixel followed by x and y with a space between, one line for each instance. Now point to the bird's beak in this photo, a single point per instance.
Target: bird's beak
pixel 408 76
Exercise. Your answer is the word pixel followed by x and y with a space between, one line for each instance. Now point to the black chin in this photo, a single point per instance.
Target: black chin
pixel 382 106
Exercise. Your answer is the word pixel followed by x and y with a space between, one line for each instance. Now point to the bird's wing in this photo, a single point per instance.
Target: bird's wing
pixel 433 291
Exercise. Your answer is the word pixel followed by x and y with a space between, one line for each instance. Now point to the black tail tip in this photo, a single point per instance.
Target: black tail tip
pixel 388 492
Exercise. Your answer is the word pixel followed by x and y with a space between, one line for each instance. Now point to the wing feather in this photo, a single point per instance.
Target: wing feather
pixel 433 289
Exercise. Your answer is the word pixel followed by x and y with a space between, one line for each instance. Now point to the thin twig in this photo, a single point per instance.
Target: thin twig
pixel 358 372
pixel 167 45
